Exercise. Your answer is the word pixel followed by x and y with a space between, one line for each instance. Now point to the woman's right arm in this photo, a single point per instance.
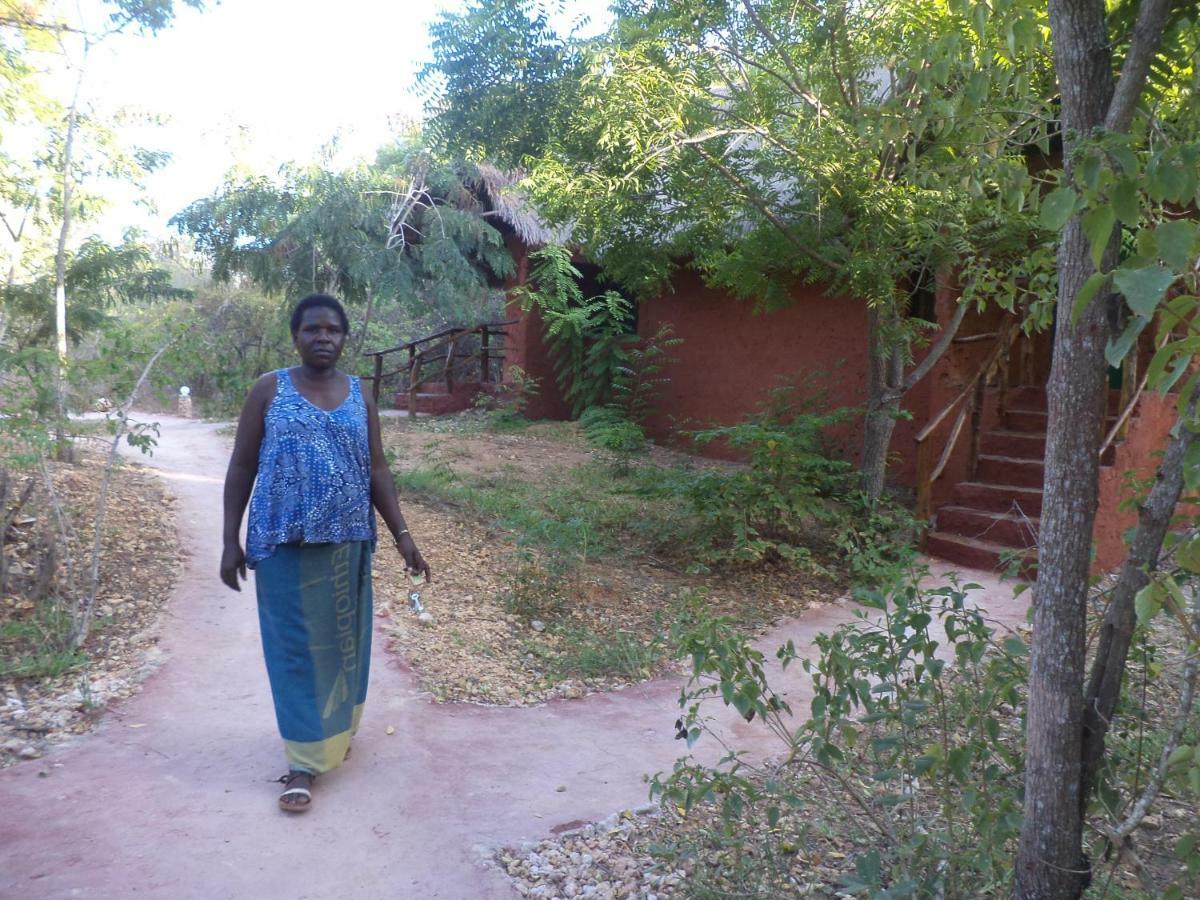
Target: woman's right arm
pixel 239 478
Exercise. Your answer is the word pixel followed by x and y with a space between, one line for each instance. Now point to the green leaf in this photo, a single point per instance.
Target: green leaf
pixel 1057 207
pixel 1085 295
pixel 1148 602
pixel 1177 243
pixel 1126 201
pixel 1015 646
pixel 1143 288
pixel 1098 225
pixel 1116 351
pixel 1179 755
pixel 1191 466
pixel 1188 555
pixel 1126 158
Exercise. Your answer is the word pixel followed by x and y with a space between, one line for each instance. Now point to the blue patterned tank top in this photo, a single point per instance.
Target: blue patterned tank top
pixel 314 474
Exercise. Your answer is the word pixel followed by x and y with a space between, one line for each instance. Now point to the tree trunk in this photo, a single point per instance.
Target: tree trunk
pixel 1050 860
pixel 1116 634
pixel 883 405
pixel 362 331
pixel 61 441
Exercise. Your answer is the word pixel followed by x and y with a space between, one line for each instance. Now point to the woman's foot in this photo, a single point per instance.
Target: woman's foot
pixel 297 792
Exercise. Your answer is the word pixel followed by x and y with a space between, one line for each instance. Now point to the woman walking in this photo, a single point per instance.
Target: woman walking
pixel 310 436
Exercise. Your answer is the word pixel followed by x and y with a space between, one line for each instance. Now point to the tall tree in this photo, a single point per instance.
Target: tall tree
pixel 500 80
pixel 865 146
pixel 406 229
pixel 73 33
pixel 1094 103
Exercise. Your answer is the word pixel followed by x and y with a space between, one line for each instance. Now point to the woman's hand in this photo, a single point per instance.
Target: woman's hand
pixel 233 564
pixel 413 561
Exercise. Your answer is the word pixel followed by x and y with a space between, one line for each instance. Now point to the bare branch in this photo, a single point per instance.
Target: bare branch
pixel 758 203
pixel 1147 33
pixel 83 617
pixel 936 351
pixel 1187 696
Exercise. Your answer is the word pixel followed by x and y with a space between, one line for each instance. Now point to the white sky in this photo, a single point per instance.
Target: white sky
pixel 262 82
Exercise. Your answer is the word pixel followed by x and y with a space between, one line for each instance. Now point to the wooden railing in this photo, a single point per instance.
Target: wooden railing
pixel 438 356
pixel 1130 394
pixel 969 403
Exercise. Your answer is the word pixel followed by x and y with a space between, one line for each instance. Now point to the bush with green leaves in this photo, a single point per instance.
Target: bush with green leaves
pixel 608 428
pixel 766 510
pixel 640 379
pixel 913 722
pixel 618 426
pixel 505 409
pixel 589 337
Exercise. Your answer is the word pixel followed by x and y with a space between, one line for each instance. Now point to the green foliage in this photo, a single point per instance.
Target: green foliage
pixel 766 511
pixel 751 140
pixel 536 590
pixel 608 428
pixel 499 80
pixel 617 427
pixel 220 342
pixel 590 654
pixel 918 732
pixel 589 336
pixel 403 231
pixel 38 647
pixel 99 279
pixel 638 382
pixel 506 409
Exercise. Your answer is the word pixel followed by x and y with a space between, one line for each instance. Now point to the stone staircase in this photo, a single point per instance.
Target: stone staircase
pixel 999 513
pixel 435 399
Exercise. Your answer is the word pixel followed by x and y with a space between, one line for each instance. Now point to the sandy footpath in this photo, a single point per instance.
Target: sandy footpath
pixel 172 797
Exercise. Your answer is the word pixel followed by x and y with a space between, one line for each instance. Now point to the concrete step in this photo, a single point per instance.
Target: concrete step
pixel 1031 398
pixel 1025 421
pixel 1021 444
pixel 975 553
pixel 1002 498
pixel 1010 470
pixel 1011 530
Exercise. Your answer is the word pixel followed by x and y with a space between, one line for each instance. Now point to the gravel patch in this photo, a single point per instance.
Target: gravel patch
pixel 140 564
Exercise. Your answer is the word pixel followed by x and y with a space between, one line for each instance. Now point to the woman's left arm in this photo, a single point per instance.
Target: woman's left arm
pixel 383 492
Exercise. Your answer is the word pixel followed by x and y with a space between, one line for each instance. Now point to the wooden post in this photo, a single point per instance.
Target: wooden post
pixel 1129 377
pixel 414 370
pixel 450 364
pixel 976 415
pixel 377 384
pixel 484 362
pixel 924 484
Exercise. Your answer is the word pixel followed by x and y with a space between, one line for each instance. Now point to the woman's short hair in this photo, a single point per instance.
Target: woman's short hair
pixel 313 301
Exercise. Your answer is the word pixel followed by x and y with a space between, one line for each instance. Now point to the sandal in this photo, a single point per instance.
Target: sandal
pixel 296 799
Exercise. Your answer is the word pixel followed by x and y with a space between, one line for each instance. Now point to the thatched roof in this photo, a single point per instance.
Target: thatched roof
pixel 504 200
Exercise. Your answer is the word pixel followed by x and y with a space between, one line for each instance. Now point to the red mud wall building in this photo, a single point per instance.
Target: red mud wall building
pixel 731 357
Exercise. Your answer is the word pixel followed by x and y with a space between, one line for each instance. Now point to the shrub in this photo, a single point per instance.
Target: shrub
pixel 608 428
pixel 917 732
pixel 589 336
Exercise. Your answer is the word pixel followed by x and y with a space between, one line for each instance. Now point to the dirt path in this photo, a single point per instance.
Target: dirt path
pixel 171 796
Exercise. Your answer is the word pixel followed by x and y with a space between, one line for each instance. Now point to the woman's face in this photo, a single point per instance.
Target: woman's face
pixel 320 338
